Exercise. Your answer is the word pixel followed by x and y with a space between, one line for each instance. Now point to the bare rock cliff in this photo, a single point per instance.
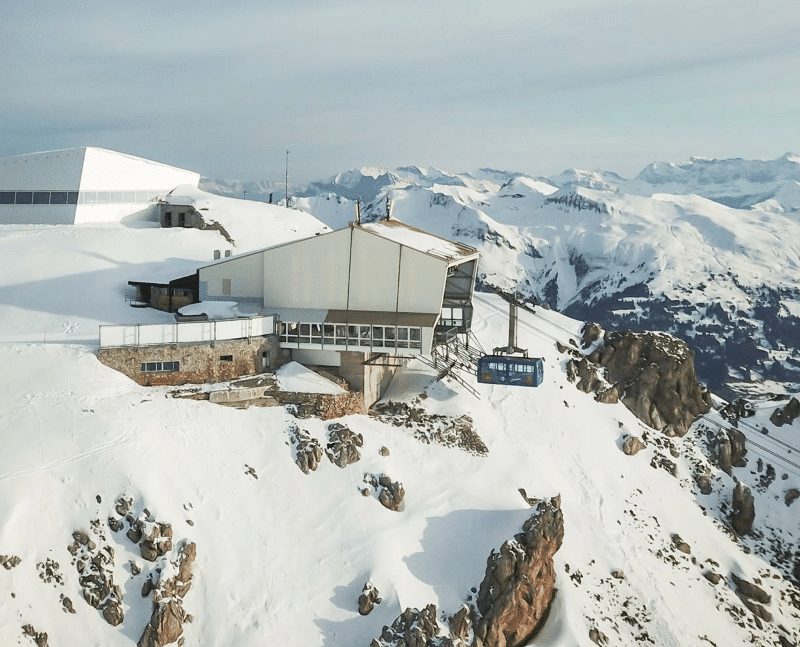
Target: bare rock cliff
pixel 520 581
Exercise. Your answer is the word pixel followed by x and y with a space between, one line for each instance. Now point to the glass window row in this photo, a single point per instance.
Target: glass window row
pixel 352 335
pixel 82 197
pixel 154 367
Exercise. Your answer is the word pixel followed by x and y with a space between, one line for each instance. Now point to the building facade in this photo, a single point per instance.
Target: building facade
pixel 82 185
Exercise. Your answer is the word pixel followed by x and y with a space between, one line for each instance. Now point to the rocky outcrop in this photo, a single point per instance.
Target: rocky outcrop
pixel 412 628
pixel 750 594
pixel 370 596
pixel 744 510
pixel 95 568
pixel 786 415
pixel 519 583
pixel 308 451
pixel 9 561
pixel 730 450
pixel 652 373
pixel 39 637
pixel 390 493
pixel 343 444
pixel 156 541
pixel 791 495
pixel 168 616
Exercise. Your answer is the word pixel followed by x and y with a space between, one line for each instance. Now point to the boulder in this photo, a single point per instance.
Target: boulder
pixel 308 451
pixel 632 446
pixel 750 590
pixel 786 415
pixel 791 495
pixel 519 583
pixel 744 511
pixel 368 599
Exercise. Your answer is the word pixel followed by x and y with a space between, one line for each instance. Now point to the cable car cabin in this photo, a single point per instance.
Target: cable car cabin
pixel 511 371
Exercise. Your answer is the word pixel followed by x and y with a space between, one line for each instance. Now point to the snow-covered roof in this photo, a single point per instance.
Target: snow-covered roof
pixel 420 240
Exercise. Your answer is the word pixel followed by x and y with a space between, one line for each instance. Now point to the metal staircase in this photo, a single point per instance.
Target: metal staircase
pixel 457 359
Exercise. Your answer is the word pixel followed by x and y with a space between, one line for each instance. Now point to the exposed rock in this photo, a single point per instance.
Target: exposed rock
pixel 529 500
pixel 460 625
pixel 157 542
pixel 703 480
pixel 135 531
pixel 632 445
pixel 115 524
pixel 10 561
pixel 390 493
pixel 787 414
pixel 308 451
pixel 739 408
pixel 412 628
pixel 519 584
pixel 343 445
pixel 166 622
pixel 655 374
pixel 40 638
pixel 744 511
pixel 384 451
pixel 724 453
pixel 112 613
pixel 370 596
pixel 66 604
pixel 590 333
pixel 123 505
pixel 712 577
pixel 597 636
pixel 750 590
pixel 608 396
pixel 791 495
pixel 618 575
pixel 681 545
pixel 738 447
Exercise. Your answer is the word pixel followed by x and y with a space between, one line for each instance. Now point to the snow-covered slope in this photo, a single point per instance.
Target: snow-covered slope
pixel 661 251
pixel 282 556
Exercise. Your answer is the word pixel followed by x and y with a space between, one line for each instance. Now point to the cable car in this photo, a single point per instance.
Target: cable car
pixel 511 371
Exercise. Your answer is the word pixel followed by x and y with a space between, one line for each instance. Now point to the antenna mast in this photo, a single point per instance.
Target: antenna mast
pixel 287 178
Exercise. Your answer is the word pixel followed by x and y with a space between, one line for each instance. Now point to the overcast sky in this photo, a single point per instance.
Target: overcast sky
pixel 530 86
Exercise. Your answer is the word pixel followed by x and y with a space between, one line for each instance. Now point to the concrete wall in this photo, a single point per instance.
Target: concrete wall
pixel 198 363
pixel 371 379
pixel 246 276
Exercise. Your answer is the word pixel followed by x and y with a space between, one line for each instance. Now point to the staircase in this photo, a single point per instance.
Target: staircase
pixel 456 359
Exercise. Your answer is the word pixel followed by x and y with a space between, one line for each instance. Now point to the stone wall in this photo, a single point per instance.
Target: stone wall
pixel 197 363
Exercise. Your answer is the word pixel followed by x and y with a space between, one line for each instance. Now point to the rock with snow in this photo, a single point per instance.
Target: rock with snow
pixel 343 444
pixel 9 561
pixel 520 580
pixel 632 445
pixel 656 376
pixel 786 415
pixel 412 628
pixel 308 451
pixel 370 596
pixel 166 621
pixel 744 510
pixel 791 495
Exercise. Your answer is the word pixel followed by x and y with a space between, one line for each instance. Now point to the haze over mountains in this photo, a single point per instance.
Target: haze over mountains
pixel 705 249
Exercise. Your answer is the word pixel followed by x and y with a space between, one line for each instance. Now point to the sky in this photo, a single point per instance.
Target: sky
pixel 529 86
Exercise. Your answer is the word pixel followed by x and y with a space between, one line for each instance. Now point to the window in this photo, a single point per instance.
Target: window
pixel 327 332
pixel 24 197
pixel 366 337
pixel 72 197
pixel 160 367
pixel 181 219
pixel 341 335
pixel 226 287
pixel 305 333
pixel 6 197
pixel 415 337
pixel 58 197
pixel 226 358
pixel 41 197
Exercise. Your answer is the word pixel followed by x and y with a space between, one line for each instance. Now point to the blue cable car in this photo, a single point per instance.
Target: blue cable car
pixel 511 371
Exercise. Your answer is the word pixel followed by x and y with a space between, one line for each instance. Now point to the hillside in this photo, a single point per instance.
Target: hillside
pixel 281 555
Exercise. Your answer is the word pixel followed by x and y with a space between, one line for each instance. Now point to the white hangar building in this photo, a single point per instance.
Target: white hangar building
pixel 80 185
pixel 348 297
